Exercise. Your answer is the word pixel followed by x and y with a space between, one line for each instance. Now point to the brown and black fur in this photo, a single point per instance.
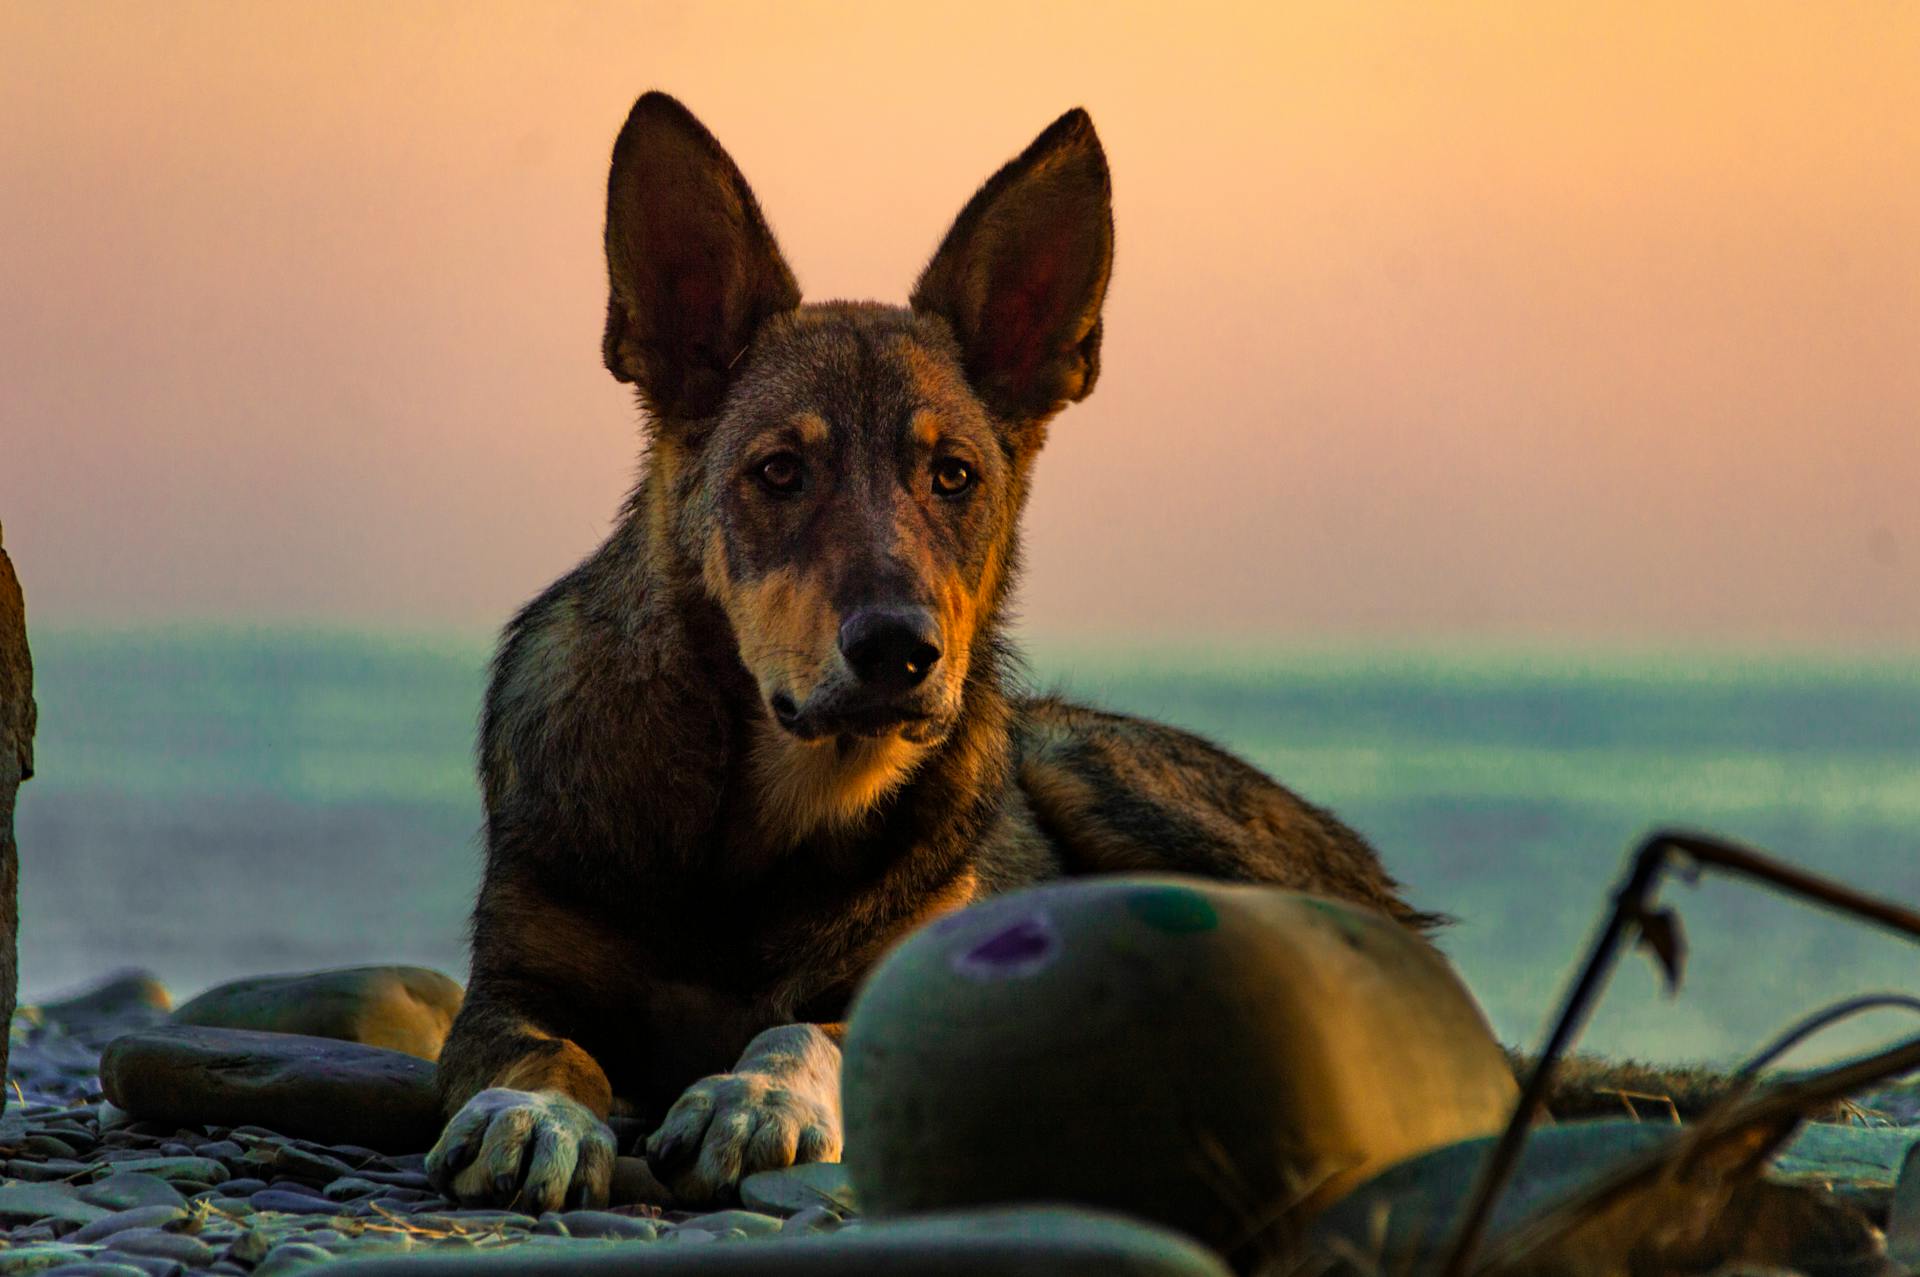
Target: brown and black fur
pixel 695 831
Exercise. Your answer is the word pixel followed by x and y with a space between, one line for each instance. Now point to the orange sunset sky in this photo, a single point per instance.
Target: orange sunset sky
pixel 1562 321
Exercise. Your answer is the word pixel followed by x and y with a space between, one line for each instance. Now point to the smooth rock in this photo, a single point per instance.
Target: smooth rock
pixel 814 1219
pixel 178 1171
pixel 1133 1043
pixel 38 1257
pixel 18 716
pixel 747 1223
pixel 132 994
pixel 634 1185
pixel 1903 1216
pixel 291 1257
pixel 406 1009
pixel 318 1088
pixel 794 1189
pixel 108 1266
pixel 599 1223
pixel 1838 1153
pixel 139 1217
pixel 1009 1242
pixel 26 1203
pixel 156 1244
pixel 291 1203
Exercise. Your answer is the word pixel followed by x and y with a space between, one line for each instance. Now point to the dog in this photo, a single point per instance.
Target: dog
pixel 773 724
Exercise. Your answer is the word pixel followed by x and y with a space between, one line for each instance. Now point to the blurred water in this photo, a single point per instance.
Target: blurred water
pixel 211 804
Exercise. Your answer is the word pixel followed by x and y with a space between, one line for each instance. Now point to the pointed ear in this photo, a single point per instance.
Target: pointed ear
pixel 692 268
pixel 1021 275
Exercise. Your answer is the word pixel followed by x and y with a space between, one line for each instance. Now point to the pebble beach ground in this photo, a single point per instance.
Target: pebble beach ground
pixel 94 1195
pixel 89 1189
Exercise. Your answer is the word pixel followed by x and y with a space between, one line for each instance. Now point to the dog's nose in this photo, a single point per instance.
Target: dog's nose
pixel 890 649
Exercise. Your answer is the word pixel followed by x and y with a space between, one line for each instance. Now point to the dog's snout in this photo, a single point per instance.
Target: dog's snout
pixel 890 649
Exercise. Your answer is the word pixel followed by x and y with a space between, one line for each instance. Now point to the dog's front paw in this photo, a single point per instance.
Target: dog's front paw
pixel 780 1105
pixel 531 1150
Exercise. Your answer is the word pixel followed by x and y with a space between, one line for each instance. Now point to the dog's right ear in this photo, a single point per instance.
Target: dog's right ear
pixel 692 269
pixel 1021 276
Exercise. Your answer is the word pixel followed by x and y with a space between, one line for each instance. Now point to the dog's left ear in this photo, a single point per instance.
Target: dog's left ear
pixel 1021 276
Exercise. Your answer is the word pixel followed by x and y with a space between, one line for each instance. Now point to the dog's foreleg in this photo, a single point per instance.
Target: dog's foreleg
pixel 530 1126
pixel 779 1106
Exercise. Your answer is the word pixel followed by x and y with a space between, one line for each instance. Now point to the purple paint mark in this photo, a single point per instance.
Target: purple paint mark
pixel 1018 949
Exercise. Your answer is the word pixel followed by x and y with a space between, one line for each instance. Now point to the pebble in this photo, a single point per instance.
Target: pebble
pixel 36 1258
pixel 291 1257
pixel 149 1217
pixel 202 1171
pixel 292 1203
pixel 127 1190
pixel 790 1191
pixel 22 1203
pixel 303 1086
pixel 599 1223
pixel 814 1219
pixel 150 1265
pixel 159 1244
pixel 747 1223
pixel 407 1009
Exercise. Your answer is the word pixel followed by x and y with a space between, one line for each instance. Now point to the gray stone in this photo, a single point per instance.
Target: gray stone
pixel 291 1257
pixel 138 1217
pixel 60 1168
pixel 158 1244
pixel 48 1146
pixel 178 1171
pixel 36 1258
pixel 406 1009
pixel 318 1088
pixel 634 1184
pixel 814 1219
pixel 18 716
pixel 29 1203
pixel 291 1203
pixel 746 1222
pixel 1903 1216
pixel 790 1191
pixel 1836 1153
pixel 109 1265
pixel 599 1223
pixel 132 994
pixel 1015 1242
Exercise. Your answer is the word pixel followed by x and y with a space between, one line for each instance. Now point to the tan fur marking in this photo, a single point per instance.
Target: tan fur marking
pixel 926 428
pixel 812 428
pixel 568 1070
pixel 806 786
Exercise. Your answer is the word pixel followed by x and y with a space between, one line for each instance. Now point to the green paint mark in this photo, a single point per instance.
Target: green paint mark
pixel 1179 910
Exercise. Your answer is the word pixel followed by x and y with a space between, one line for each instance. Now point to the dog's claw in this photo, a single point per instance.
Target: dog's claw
pixel 523 1148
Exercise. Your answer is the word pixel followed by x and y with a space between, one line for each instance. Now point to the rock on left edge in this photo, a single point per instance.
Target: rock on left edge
pixel 17 717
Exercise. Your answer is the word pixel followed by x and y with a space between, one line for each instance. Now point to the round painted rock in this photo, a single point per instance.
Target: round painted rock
pixel 1224 1059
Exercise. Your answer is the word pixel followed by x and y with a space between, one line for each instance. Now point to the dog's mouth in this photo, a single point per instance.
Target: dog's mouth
pixel 864 721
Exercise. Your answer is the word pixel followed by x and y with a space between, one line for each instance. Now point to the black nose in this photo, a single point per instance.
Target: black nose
pixel 890 649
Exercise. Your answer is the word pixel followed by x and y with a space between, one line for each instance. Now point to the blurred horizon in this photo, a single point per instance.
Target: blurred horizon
pixel 1562 325
pixel 217 806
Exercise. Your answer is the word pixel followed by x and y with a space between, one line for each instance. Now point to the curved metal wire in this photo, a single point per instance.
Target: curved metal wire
pixel 1822 1020
pixel 1632 906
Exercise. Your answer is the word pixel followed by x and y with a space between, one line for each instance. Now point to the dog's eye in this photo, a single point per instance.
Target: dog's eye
pixel 951 476
pixel 783 474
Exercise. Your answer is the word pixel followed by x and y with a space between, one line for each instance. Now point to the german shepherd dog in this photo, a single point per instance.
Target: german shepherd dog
pixel 770 726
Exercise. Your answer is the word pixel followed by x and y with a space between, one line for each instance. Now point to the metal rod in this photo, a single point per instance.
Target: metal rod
pixel 1629 905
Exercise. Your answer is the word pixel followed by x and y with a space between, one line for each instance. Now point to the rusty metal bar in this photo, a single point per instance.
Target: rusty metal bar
pixel 1630 904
